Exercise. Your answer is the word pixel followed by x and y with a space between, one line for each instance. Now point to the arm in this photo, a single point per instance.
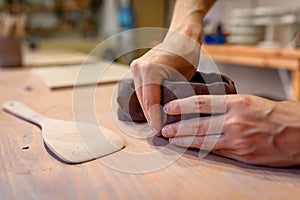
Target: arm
pixel 188 17
pixel 175 58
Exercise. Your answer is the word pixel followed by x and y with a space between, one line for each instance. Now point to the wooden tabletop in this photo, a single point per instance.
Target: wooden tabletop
pixel 29 171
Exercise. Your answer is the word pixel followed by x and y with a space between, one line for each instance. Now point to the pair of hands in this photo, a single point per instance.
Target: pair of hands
pixel 246 128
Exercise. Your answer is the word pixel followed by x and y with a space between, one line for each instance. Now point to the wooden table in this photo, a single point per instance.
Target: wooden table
pixel 28 171
pixel 279 58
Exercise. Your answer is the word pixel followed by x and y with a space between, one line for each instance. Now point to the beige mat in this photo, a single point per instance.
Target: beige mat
pixel 44 57
pixel 76 75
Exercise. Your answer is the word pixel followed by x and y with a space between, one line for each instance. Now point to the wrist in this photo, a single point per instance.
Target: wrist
pixel 188 17
pixel 191 30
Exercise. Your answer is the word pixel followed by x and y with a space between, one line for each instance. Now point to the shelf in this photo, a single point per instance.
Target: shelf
pixel 279 58
pixel 263 57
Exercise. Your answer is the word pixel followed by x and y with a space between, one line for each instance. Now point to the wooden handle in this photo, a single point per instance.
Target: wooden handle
pixel 20 110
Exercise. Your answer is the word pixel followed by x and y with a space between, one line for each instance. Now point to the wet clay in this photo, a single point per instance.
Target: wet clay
pixel 201 84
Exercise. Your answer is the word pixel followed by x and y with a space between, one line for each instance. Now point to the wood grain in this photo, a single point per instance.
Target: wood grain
pixel 72 142
pixel 32 173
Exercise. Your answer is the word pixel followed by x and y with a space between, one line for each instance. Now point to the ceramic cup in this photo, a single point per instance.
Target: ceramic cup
pixel 10 52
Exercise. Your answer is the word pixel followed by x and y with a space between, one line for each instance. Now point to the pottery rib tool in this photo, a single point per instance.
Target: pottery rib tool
pixel 73 142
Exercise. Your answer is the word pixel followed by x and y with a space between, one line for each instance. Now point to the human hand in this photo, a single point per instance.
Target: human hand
pixel 175 59
pixel 253 130
pixel 177 56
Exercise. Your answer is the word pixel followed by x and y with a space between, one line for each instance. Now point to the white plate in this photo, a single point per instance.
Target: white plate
pixel 242 13
pixel 246 30
pixel 242 39
pixel 241 21
pixel 261 21
pixel 271 11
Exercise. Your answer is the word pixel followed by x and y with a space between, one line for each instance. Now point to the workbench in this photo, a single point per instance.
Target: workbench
pixel 30 171
pixel 277 58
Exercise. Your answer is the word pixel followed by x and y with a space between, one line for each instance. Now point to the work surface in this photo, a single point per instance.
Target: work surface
pixel 28 171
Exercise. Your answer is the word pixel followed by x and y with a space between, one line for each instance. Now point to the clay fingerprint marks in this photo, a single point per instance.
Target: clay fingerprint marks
pixel 70 141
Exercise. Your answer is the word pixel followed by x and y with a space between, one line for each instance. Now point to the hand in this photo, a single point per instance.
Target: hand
pixel 175 59
pixel 253 130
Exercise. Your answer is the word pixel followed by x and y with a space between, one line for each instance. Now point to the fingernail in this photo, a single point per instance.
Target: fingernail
pixel 172 140
pixel 155 128
pixel 167 108
pixel 165 132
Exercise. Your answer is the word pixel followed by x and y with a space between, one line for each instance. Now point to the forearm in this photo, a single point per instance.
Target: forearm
pixel 188 17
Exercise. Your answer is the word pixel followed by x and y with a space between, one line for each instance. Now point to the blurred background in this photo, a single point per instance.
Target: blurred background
pixel 241 22
pixel 58 23
pixel 79 25
pixel 265 24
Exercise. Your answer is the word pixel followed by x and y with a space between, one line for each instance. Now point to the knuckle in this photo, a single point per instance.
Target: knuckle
pixel 189 126
pixel 199 128
pixel 134 65
pixel 134 70
pixel 137 64
pixel 198 102
pixel 148 103
pixel 198 142
pixel 195 127
pixel 243 147
pixel 233 122
pixel 236 124
pixel 143 68
pixel 243 101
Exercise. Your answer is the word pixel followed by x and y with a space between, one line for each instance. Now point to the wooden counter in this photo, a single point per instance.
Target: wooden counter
pixel 260 57
pixel 28 171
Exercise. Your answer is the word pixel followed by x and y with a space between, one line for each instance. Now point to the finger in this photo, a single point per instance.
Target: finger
pixel 138 82
pixel 137 69
pixel 208 143
pixel 148 90
pixel 151 103
pixel 228 153
pixel 151 91
pixel 214 104
pixel 196 126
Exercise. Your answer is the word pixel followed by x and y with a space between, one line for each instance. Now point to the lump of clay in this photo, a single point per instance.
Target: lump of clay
pixel 201 84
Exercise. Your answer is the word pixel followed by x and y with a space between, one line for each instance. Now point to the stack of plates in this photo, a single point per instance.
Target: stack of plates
pixel 268 15
pixel 243 31
pixel 252 26
pixel 272 19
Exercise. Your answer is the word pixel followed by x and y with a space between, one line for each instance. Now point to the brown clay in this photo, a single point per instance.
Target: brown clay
pixel 214 84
